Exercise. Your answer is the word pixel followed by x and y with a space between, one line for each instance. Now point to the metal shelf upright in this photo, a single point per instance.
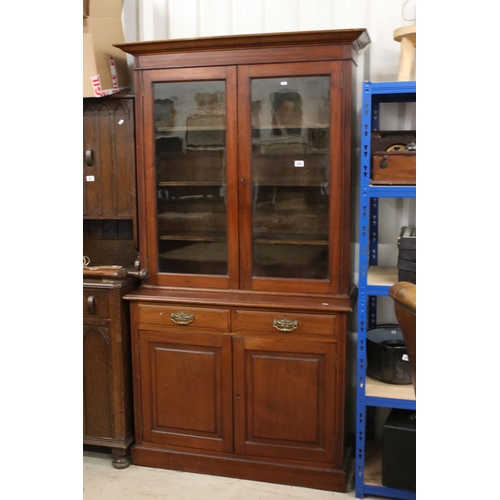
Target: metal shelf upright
pixel 375 281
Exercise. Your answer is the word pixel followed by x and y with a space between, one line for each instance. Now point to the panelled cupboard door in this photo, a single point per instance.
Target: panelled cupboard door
pixel 186 388
pixel 191 176
pixel 284 399
pixel 108 158
pixel 97 382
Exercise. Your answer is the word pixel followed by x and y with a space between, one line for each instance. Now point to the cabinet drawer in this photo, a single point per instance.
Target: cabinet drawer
pixel 95 305
pixel 184 316
pixel 288 322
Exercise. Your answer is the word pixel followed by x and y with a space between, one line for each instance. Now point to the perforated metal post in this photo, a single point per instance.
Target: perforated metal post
pixel 373 94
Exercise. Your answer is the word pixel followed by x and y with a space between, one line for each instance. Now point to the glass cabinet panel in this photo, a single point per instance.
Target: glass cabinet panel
pixel 190 160
pixel 290 174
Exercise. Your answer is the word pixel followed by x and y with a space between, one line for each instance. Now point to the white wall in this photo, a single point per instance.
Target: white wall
pixel 165 19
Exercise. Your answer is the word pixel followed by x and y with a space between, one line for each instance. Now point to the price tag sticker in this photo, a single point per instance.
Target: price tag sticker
pixel 90 178
pixel 298 163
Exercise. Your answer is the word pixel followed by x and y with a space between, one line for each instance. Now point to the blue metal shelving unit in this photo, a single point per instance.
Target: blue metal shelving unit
pixel 374 281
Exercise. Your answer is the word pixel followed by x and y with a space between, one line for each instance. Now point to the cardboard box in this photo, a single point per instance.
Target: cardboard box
pixel 105 68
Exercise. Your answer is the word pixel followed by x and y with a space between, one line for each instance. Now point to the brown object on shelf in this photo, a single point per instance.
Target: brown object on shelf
pixel 105 271
pixel 239 335
pixel 394 167
pixel 405 306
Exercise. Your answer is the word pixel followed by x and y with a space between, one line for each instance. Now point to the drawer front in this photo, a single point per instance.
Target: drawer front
pixel 286 322
pixel 95 305
pixel 184 316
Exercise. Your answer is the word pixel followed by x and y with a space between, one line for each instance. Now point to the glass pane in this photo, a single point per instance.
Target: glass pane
pixel 290 172
pixel 190 161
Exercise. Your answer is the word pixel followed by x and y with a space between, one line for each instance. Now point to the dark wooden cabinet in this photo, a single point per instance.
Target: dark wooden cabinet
pixel 239 385
pixel 244 195
pixel 109 181
pixel 110 248
pixel 107 377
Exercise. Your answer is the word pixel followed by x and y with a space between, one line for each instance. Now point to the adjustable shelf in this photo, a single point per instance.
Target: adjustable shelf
pixel 375 281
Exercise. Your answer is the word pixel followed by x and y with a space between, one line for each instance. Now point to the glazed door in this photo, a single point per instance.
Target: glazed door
pixel 186 384
pixel 190 177
pixel 284 399
pixel 291 143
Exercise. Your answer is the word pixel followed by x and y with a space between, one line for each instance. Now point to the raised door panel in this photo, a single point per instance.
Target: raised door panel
pixel 186 385
pixel 108 158
pixel 98 415
pixel 284 399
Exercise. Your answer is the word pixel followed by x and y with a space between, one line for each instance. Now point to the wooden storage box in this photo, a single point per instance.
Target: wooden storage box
pixel 394 167
pixel 392 162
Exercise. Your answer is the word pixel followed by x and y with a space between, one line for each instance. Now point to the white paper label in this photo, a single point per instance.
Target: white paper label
pixel 90 178
pixel 405 357
pixel 298 163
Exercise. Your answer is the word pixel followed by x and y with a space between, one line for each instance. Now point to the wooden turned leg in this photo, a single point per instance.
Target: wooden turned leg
pixel 121 460
pixel 405 59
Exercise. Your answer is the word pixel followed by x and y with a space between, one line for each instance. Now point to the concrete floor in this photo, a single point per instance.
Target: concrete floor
pixel 101 481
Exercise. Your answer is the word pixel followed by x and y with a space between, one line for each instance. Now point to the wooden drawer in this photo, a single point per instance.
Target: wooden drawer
pixel 95 305
pixel 279 321
pixel 184 316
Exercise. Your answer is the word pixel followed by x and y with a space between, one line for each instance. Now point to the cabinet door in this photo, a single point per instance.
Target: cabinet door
pixel 98 414
pixel 284 399
pixel 108 158
pixel 107 378
pixel 292 199
pixel 186 390
pixel 190 176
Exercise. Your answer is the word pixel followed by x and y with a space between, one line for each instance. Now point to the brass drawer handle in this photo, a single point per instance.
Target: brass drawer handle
pixel 182 318
pixel 285 325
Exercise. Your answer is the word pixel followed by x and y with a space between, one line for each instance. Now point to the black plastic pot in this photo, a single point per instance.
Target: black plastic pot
pixel 387 357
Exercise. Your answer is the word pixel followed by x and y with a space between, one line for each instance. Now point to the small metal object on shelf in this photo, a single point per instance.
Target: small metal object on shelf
pixel 407 257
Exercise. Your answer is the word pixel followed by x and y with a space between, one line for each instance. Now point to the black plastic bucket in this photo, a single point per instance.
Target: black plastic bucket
pixel 387 356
